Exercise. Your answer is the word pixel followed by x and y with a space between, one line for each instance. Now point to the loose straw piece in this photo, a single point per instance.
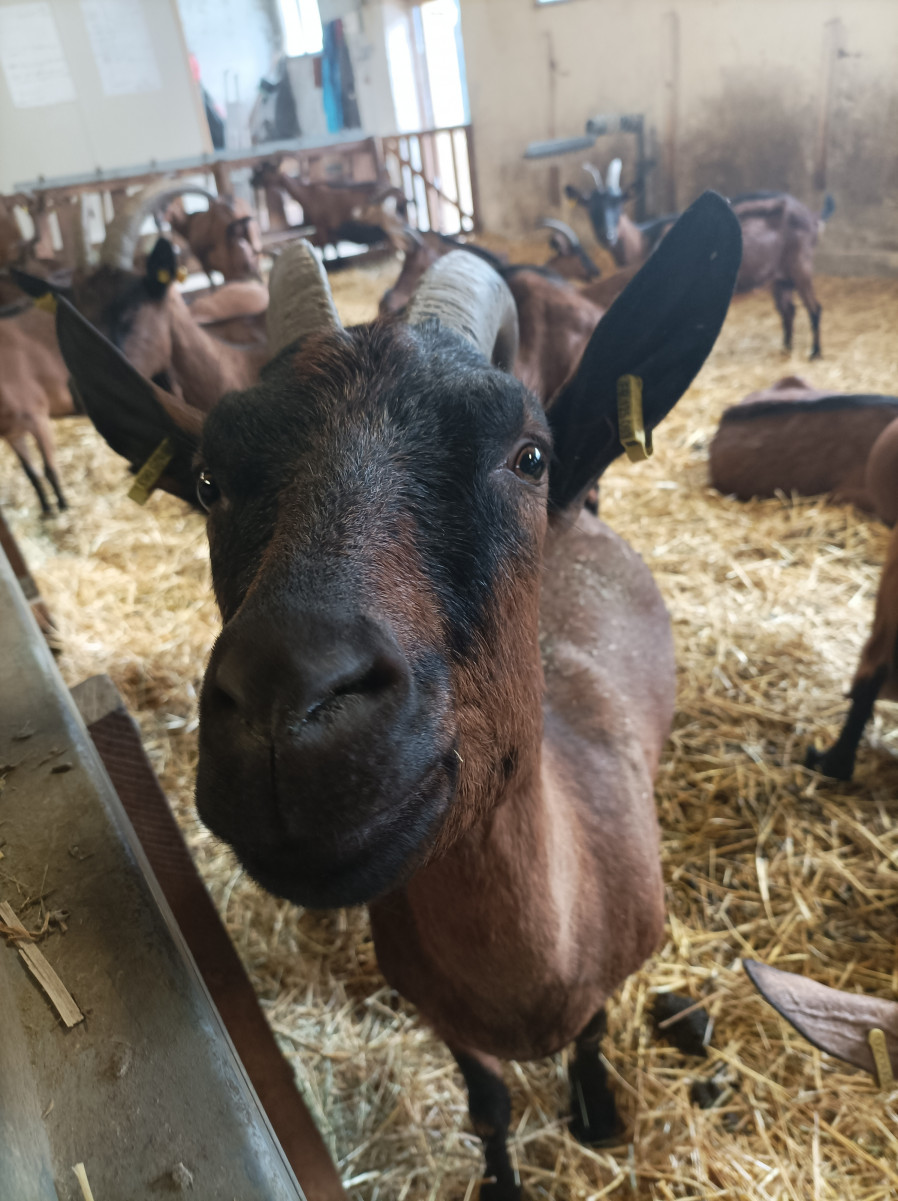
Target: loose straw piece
pixel 59 995
pixel 86 1191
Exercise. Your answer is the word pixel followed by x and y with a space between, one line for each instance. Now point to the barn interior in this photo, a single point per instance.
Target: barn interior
pixel 464 122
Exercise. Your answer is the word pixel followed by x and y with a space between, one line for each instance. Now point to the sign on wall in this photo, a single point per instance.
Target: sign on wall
pixel 33 60
pixel 122 48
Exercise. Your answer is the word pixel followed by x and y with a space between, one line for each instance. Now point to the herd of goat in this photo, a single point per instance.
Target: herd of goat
pixel 441 688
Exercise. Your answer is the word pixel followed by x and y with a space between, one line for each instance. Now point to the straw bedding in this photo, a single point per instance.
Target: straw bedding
pixel 770 603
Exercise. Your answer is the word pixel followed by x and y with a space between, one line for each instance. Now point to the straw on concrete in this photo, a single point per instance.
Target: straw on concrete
pixel 770 604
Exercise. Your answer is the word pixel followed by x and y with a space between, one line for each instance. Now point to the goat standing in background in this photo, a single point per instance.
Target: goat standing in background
pixel 439 689
pixel 779 236
pixel 33 388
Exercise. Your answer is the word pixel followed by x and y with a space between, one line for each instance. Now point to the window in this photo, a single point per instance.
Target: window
pixel 302 27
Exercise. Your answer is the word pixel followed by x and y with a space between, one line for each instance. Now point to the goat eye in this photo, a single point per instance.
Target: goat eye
pixel 530 463
pixel 206 490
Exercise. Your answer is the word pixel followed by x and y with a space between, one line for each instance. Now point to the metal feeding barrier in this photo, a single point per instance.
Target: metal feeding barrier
pixel 602 126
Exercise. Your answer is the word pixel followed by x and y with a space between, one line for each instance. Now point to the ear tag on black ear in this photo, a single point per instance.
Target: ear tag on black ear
pixel 163 276
pixel 880 1051
pixel 47 302
pixel 635 438
pixel 148 476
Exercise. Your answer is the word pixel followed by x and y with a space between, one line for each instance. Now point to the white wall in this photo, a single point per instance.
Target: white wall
pixel 96 130
pixel 736 91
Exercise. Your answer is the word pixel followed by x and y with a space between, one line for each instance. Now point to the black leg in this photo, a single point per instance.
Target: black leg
pixel 51 475
pixel 838 761
pixel 35 482
pixel 816 352
pixel 593 1111
pixel 490 1109
pixel 782 298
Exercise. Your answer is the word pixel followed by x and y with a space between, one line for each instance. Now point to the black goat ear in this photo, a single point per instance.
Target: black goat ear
pixel 133 415
pixel 162 269
pixel 36 286
pixel 659 331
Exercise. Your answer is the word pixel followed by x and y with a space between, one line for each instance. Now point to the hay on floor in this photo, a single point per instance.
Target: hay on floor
pixel 770 603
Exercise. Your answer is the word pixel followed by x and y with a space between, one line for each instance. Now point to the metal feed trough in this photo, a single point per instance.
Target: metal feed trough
pixel 113 1055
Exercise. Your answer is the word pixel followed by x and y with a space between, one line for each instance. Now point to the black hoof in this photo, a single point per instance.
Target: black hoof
pixel 828 764
pixel 500 1190
pixel 594 1118
pixel 815 354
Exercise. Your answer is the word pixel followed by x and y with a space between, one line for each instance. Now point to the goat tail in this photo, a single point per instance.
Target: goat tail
pixel 829 207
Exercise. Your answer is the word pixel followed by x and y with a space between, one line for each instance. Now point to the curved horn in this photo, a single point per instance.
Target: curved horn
pixel 123 230
pixel 464 293
pixel 596 174
pixel 614 170
pixel 561 228
pixel 301 300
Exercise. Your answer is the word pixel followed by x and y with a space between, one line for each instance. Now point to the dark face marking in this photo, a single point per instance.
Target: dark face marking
pixel 605 210
pixel 368 499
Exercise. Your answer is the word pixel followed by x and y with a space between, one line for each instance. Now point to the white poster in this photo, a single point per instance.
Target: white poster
pixel 34 64
pixel 122 48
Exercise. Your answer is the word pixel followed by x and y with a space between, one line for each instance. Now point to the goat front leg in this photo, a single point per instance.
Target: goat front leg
pixel 785 306
pixel 593 1110
pixel 838 761
pixel 490 1108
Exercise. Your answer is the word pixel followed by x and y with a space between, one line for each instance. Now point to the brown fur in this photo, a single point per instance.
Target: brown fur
pixel 575 827
pixel 805 451
pixel 555 323
pixel 33 388
pixel 328 206
pixel 881 476
pixel 881 647
pixel 224 237
pixel 165 338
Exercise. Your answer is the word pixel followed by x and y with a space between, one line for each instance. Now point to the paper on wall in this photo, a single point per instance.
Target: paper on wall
pixel 32 57
pixel 122 48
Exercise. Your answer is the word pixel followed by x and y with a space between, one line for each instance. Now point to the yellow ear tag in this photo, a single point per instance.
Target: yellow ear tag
pixel 47 302
pixel 163 276
pixel 635 438
pixel 181 274
pixel 148 476
pixel 880 1050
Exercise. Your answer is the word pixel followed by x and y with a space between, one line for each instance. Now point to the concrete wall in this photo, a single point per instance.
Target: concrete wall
pixel 739 95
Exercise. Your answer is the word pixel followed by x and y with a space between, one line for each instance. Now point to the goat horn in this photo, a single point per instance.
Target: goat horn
pixel 596 174
pixel 561 228
pixel 464 293
pixel 614 170
pixel 301 300
pixel 123 230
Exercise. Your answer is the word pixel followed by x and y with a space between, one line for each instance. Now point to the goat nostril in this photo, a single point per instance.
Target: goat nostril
pixel 382 676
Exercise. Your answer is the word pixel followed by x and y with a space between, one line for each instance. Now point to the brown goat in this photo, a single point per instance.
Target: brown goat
pixel 420 250
pixel 779 236
pixel 792 438
pixel 877 671
pixel 555 322
pixel 224 237
pixel 337 211
pixel 438 689
pixel 33 388
pixel 235 312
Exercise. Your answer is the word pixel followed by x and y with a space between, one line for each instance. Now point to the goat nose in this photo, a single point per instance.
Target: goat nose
pixel 284 677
